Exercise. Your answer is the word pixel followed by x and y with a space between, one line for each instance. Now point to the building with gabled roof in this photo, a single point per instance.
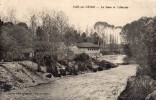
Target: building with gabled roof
pixel 89 48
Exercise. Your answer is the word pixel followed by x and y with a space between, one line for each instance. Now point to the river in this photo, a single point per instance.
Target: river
pixel 104 85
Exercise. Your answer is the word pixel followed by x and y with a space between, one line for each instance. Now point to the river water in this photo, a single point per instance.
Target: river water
pixel 104 85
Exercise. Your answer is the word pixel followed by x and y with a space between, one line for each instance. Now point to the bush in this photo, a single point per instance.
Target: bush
pixel 138 88
pixel 81 57
pixel 151 96
pixel 141 38
pixel 144 70
pixel 127 50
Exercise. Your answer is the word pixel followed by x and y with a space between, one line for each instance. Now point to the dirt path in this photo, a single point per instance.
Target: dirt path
pixel 104 85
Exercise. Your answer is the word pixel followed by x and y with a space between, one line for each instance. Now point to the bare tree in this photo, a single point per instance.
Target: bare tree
pixel 11 16
pixel 53 26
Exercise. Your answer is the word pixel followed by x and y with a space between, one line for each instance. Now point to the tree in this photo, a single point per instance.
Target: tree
pixel 49 34
pixel 22 24
pixel 70 37
pixel 141 37
pixel 1 46
pixel 11 16
pixel 33 23
pixel 41 46
pixel 83 37
pixel 14 39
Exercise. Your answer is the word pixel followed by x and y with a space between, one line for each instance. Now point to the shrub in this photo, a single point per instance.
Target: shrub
pixel 140 36
pixel 144 70
pixel 81 57
pixel 138 88
pixel 127 50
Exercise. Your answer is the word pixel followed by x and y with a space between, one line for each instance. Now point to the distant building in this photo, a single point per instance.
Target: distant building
pixel 89 48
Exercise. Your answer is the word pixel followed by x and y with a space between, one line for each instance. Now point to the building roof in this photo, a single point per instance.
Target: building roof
pixel 87 45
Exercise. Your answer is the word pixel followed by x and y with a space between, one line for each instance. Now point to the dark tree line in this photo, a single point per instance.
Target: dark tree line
pixel 140 38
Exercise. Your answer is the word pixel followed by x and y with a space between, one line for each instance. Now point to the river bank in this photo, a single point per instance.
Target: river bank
pixel 105 85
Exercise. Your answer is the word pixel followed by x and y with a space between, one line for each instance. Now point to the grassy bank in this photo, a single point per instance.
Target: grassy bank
pixel 139 86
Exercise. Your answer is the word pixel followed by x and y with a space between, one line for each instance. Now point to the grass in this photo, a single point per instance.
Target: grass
pixel 138 88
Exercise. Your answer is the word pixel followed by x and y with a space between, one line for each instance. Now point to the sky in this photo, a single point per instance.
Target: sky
pixel 85 17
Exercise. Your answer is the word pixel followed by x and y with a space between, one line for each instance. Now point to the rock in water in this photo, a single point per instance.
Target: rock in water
pixel 95 69
pixel 63 72
pixel 100 68
pixel 48 75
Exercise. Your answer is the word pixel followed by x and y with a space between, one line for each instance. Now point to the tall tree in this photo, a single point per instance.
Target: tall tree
pixel 14 39
pixel 84 37
pixel 140 35
pixel 41 47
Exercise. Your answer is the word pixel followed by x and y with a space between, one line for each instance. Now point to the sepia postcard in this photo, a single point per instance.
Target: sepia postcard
pixel 77 49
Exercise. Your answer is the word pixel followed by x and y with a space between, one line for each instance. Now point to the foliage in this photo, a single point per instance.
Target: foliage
pixel 41 47
pixel 81 57
pixel 96 39
pixel 140 36
pixel 127 50
pixel 138 88
pixel 14 39
pixel 71 36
